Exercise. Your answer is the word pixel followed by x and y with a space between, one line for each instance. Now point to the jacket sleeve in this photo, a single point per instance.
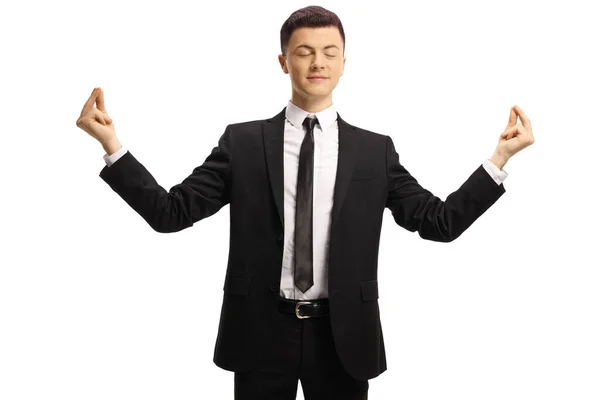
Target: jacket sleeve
pixel 417 209
pixel 204 192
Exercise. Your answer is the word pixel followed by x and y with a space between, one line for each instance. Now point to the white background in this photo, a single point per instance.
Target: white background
pixel 96 305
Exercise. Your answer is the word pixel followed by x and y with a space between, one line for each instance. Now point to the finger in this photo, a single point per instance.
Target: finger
pixel 523 117
pixel 98 116
pixel 509 133
pixel 514 131
pixel 107 118
pixel 100 100
pixel 519 131
pixel 512 118
pixel 89 104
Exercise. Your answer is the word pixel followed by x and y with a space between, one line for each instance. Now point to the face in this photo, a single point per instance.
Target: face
pixel 310 52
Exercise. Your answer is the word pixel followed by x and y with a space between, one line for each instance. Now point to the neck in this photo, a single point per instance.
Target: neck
pixel 312 104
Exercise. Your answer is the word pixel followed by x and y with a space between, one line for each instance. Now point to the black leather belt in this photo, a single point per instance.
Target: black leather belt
pixel 304 308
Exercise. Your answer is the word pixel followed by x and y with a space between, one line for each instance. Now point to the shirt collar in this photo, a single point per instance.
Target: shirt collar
pixel 296 116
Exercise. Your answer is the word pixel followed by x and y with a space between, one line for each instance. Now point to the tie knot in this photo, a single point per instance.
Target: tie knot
pixel 309 123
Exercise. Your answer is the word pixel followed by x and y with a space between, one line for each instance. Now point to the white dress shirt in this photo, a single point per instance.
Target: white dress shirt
pixel 325 167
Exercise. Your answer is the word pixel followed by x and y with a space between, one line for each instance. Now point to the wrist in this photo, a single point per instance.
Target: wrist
pixel 111 146
pixel 498 159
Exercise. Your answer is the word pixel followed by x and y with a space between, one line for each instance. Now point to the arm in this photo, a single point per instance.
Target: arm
pixel 112 158
pixel 417 209
pixel 499 175
pixel 198 196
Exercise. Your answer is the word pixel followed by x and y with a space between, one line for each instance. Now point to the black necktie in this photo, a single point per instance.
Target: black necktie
pixel 303 235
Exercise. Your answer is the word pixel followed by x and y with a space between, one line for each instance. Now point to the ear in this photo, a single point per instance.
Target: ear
pixel 343 65
pixel 283 63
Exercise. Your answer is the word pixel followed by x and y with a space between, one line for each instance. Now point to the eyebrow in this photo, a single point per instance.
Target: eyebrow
pixel 312 48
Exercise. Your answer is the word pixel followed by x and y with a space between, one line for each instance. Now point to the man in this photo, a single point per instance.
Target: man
pixel 307 192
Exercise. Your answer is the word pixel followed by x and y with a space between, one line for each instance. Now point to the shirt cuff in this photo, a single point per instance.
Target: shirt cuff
pixel 496 173
pixel 109 160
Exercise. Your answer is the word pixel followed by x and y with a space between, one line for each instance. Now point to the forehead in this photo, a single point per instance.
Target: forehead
pixel 318 37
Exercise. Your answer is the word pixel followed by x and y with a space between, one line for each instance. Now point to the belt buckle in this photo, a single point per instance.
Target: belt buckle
pixel 298 304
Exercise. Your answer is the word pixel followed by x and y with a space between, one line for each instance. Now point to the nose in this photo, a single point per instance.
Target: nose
pixel 318 62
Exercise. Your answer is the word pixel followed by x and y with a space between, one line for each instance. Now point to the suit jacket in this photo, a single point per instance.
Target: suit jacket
pixel 245 170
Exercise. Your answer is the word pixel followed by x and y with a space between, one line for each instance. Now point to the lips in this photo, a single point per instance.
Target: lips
pixel 317 77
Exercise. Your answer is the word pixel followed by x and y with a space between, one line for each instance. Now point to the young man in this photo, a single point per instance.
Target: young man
pixel 307 192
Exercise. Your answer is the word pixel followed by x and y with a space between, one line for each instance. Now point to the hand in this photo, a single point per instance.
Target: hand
pixel 96 121
pixel 516 136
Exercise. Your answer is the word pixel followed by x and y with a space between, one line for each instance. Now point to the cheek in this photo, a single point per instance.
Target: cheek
pixel 297 77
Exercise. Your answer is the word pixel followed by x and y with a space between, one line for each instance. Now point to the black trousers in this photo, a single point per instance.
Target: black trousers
pixel 306 353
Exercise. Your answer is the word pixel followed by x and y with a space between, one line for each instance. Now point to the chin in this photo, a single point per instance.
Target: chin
pixel 319 89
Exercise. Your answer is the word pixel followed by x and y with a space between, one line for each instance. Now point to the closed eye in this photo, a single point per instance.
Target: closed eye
pixel 328 55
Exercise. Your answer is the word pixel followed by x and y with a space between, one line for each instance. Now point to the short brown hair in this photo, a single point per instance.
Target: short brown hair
pixel 311 16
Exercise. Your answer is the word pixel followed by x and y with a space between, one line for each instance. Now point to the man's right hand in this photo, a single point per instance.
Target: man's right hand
pixel 97 123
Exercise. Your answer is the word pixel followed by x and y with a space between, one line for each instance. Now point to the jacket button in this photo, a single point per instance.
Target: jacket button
pixel 274 287
pixel 280 237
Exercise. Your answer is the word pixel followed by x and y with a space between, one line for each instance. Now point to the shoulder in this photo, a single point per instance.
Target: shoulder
pixel 366 133
pixel 255 125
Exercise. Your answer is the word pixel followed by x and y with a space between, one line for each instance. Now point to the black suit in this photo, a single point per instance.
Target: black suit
pixel 245 170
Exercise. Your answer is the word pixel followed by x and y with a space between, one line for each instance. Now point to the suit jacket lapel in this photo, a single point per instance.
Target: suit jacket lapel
pixel 273 142
pixel 347 148
pixel 273 131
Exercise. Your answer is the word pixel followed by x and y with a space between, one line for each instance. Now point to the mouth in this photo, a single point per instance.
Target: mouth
pixel 317 78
